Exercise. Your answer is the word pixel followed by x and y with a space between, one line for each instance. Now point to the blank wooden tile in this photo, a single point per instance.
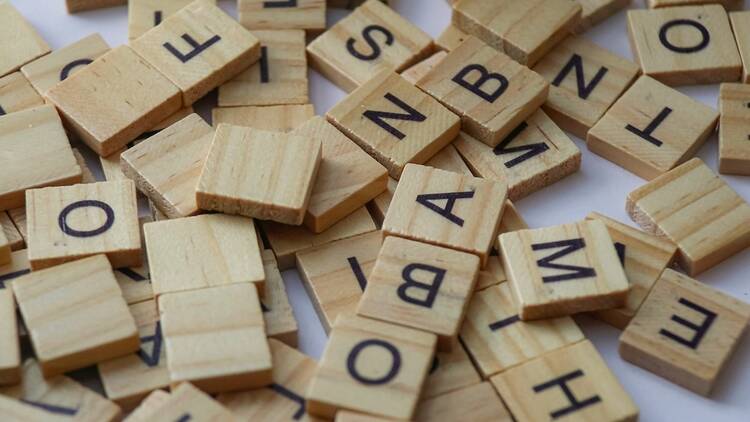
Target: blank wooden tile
pixel 277 311
pixel 685 45
pixel 446 209
pixel 734 129
pixel 309 15
pixel 72 222
pixel 215 338
pixel 185 403
pixel 729 4
pixel 203 251
pixel 421 286
pixel 75 6
pixel 65 335
pixel 525 31
pixel 479 402
pixel 18 266
pixel 10 351
pixel 574 383
pixel 585 81
pixel 497 339
pixel 114 99
pixel 595 11
pixel 419 70
pixel 372 367
pixel 283 118
pixel 685 331
pixel 146 14
pixel 10 232
pixel 741 26
pixel 535 155
pixel 16 94
pixel 22 43
pixel 450 38
pixel 395 122
pixel 129 379
pixel 449 159
pixel 33 136
pixel 347 178
pixel 492 93
pixel 218 49
pixel 695 209
pixel 259 174
pixel 563 270
pixel 367 41
pixel 450 372
pixel 651 129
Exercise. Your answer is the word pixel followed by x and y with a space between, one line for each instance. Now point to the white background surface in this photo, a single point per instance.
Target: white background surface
pixel 599 186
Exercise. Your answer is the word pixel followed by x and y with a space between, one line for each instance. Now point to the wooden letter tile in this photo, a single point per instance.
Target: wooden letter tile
pixel 16 94
pixel 146 14
pixel 185 403
pixel 734 129
pixel 18 266
pixel 282 118
pixel 449 372
pixel 309 15
pixel 277 311
pixel 695 209
pixel 595 11
pixel 21 44
pixel 215 338
pixel 371 366
pixel 563 270
pixel 66 335
pixel 478 403
pixel 651 129
pixel 741 26
pixel 10 352
pixel 16 410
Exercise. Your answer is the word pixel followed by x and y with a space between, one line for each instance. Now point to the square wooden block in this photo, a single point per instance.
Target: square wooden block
pixel 651 129
pixel 372 367
pixel 277 311
pixel 16 94
pixel 309 15
pixel 335 274
pixel 215 338
pixel 367 41
pixel 166 166
pixel 479 402
pixel 265 175
pixel 203 251
pixel 10 348
pixel 563 270
pixel 595 11
pixel 395 122
pixel 573 382
pixel 33 136
pixel 72 222
pixel 146 14
pixel 492 93
pixel 282 118
pixel 644 257
pixel 185 403
pixel 741 26
pixel 685 45
pixel 450 372
pixel 734 129
pixel 685 331
pixel 586 80
pixel 65 335
pixel 497 339
pixel 114 99
pixel 695 209
pixel 22 43
pixel 525 30
pixel 533 156
pixel 198 48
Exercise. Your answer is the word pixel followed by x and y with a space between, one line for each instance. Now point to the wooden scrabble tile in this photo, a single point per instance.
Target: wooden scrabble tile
pixel 218 49
pixel 10 232
pixel 741 26
pixel 61 397
pixel 259 174
pixel 129 379
pixel 729 4
pixel 524 31
pixel 67 336
pixel 450 372
pixel 419 70
pixel 643 257
pixel 347 179
pixel 573 382
pixel 651 129
pixel 215 338
pixel 146 14
pixel 75 6
pixel 449 159
pixel 22 43
pixel 695 209
pixel 33 136
pixel 450 38
pixel 685 45
pixel 685 331
pixel 10 351
pixel 535 155
pixel 309 15
pixel 563 270
pixel 368 115
pixel 366 42
pixel 284 399
pixel 278 78
pixel 492 93
pixel 203 251
pixel 421 286
pixel 185 403
pixel 283 118
pixel 18 266
pixel 16 410
pixel 72 222
pixel 372 367
pixel 585 81
pixel 595 11
pixel 114 99
pixel 497 339
pixel 166 166
pixel 150 405
pixel 47 71
pixel 734 129
pixel 478 402
pixel 16 94
pixel 277 311
pixel 446 209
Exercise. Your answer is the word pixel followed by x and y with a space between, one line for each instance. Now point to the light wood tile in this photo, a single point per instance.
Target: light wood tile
pixel 282 118
pixel 18 266
pixel 734 129
pixel 379 205
pixel 185 403
pixel 419 70
pixel 478 402
pixel 450 372
pixel 22 43
pixel 449 159
pixel 277 311
pixel 146 14
pixel 741 26
pixel 16 94
pixel 450 38
pixel 309 15
pixel 16 410
pixel 596 11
